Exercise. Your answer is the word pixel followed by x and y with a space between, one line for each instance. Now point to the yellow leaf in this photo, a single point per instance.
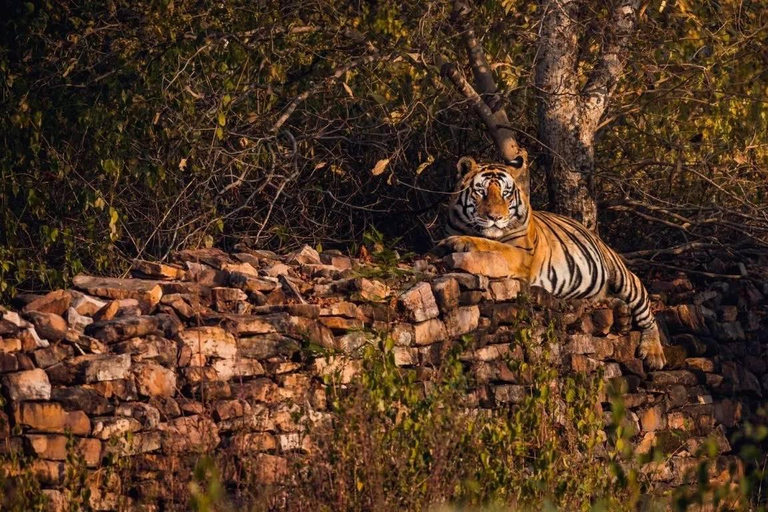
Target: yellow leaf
pixel 425 164
pixel 380 166
pixel 348 89
pixel 113 218
pixel 183 164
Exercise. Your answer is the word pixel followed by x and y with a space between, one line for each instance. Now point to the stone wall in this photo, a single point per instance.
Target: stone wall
pixel 217 351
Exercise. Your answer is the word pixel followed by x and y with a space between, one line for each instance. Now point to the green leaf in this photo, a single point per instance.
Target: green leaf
pixel 378 98
pixel 110 166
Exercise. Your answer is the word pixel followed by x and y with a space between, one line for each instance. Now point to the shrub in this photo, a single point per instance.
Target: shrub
pixel 402 440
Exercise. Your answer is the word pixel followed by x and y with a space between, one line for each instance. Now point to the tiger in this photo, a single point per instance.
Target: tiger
pixel 488 211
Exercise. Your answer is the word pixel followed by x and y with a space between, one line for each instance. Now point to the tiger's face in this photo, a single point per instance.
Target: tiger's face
pixel 488 202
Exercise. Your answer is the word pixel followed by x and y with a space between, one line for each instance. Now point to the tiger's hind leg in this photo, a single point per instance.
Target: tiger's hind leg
pixel 622 315
pixel 627 286
pixel 651 349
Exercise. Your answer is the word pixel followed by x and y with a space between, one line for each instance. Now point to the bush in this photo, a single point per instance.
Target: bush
pixel 401 439
pixel 134 129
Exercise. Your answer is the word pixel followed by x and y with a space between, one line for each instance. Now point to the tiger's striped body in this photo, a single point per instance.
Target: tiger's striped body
pixel 489 212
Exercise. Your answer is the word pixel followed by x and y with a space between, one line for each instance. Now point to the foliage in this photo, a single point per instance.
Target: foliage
pixel 132 129
pixel 206 492
pixel 406 439
pixel 75 479
pixel 23 479
pixel 397 442
pixel 747 493
pixel 418 439
pixel 687 149
pixel 20 487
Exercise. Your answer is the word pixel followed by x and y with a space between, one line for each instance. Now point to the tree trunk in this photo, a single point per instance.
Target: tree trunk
pixel 569 115
pixel 570 162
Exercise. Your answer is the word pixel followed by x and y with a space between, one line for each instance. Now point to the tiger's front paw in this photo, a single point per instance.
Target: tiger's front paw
pixel 457 243
pixel 651 350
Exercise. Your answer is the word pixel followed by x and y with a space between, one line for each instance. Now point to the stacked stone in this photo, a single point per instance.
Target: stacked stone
pixel 232 352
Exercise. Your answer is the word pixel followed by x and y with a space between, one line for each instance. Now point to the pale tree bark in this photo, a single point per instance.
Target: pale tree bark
pixel 569 116
pixel 484 96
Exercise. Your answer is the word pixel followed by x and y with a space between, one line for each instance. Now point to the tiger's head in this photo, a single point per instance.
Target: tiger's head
pixel 487 201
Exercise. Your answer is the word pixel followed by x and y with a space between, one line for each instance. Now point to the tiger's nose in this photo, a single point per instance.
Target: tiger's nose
pixel 495 216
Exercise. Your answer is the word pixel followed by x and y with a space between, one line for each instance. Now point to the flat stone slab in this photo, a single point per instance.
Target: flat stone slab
pixel 484 263
pixel 113 288
pixel 123 328
pixel 28 385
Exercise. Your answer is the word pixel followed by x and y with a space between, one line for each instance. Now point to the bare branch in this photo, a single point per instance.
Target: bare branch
pixel 712 275
pixel 291 108
pixel 671 251
pixel 485 97
pixel 496 123
pixel 451 71
pixel 485 85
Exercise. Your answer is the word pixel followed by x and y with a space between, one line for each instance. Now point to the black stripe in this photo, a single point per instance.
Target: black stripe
pixel 573 270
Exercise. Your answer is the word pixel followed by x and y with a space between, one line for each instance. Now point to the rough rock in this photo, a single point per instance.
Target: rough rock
pixel 27 385
pixel 505 289
pixel 51 417
pixel 419 303
pixel 89 400
pixel 189 433
pixel 447 292
pixel 120 329
pixel 153 380
pixel 237 351
pixel 490 264
pixel 209 341
pixel 431 331
pixel 114 427
pixel 107 368
pixel 50 326
pixel 110 288
pixel 155 270
pixel 56 302
pixel 306 255
pixel 54 447
pixel 461 320
pixel 51 355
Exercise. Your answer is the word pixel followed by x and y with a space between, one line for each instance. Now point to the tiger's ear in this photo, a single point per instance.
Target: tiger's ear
pixel 466 165
pixel 519 164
